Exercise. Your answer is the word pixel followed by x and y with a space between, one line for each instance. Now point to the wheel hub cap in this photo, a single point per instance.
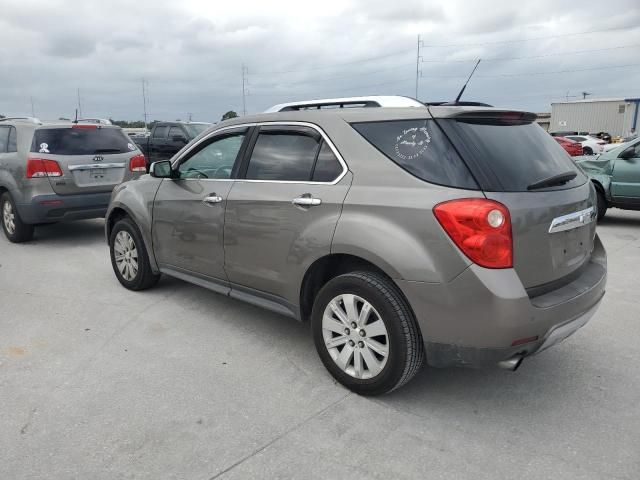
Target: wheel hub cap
pixel 8 217
pixel 355 336
pixel 126 255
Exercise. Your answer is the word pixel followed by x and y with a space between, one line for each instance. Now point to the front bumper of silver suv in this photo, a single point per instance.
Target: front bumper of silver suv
pixel 484 317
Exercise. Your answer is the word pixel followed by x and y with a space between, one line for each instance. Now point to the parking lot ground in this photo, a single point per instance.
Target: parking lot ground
pixel 97 382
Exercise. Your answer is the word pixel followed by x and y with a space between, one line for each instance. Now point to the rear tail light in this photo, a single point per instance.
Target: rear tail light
pixel 480 228
pixel 40 167
pixel 138 163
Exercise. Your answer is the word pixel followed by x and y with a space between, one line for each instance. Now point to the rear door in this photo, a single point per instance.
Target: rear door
pixel 625 179
pixel 553 226
pixel 93 158
pixel 188 211
pixel 283 209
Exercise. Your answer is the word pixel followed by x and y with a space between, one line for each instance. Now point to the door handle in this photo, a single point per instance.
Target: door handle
pixel 306 201
pixel 212 199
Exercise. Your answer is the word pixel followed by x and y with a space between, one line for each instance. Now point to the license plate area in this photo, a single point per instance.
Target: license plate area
pixel 97 175
pixel 570 247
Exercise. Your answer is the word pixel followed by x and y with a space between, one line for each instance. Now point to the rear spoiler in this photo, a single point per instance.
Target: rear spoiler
pixel 489 116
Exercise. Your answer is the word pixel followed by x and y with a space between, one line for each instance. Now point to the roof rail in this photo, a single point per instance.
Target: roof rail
pixel 22 119
pixel 383 101
pixel 98 121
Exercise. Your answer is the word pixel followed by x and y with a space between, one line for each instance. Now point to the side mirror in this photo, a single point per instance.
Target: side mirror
pixel 179 138
pixel 627 153
pixel 161 169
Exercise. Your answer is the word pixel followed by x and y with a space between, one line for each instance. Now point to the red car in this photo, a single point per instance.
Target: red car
pixel 572 148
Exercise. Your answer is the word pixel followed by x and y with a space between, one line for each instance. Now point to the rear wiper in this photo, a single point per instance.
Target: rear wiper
pixel 559 179
pixel 108 150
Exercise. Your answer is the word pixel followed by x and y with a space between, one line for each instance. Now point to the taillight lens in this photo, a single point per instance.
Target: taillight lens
pixel 138 163
pixel 40 167
pixel 480 228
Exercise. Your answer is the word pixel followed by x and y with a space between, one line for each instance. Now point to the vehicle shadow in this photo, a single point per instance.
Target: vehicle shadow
pixel 80 232
pixel 630 218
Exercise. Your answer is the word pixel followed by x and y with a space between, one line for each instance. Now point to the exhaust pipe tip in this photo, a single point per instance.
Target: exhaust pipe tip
pixel 512 363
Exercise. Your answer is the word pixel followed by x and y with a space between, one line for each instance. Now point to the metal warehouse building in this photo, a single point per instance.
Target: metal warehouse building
pixel 613 115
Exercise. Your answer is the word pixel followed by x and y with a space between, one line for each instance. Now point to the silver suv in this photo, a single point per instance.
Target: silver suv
pixel 59 172
pixel 447 234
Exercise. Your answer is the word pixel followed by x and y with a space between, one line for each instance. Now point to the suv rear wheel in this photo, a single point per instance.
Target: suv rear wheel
pixel 14 228
pixel 129 257
pixel 365 333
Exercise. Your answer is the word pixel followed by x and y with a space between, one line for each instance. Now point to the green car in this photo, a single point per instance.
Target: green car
pixel 616 176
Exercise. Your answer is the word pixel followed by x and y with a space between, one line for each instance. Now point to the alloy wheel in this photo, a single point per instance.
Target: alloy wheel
pixel 126 255
pixel 355 336
pixel 8 217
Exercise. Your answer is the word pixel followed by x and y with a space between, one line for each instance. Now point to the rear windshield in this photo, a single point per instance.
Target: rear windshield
pixel 510 156
pixel 81 141
pixel 421 148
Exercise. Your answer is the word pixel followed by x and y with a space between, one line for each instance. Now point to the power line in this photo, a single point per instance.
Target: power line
pixel 526 74
pixel 555 54
pixel 524 39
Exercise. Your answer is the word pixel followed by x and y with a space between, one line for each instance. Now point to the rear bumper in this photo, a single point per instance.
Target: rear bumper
pixel 56 208
pixel 475 319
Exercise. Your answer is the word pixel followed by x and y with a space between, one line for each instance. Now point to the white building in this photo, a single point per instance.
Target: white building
pixel 615 116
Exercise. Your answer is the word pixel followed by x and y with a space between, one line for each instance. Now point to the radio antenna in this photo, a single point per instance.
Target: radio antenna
pixel 465 83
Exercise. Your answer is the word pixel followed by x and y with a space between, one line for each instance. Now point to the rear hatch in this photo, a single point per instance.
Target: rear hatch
pixel 551 202
pixel 93 158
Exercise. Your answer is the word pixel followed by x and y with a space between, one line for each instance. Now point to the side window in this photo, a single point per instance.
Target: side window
pixel 160 132
pixel 328 167
pixel 12 145
pixel 283 155
pixel 213 161
pixel 4 139
pixel 176 132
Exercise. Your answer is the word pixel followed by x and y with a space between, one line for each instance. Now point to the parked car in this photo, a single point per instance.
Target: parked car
pixel 167 138
pixel 616 176
pixel 367 222
pixel 590 145
pixel 58 172
pixel 572 147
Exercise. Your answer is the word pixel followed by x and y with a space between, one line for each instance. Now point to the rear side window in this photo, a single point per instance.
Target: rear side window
pixel 284 156
pixel 327 168
pixel 509 155
pixel 81 141
pixel 160 132
pixel 12 145
pixel 4 139
pixel 420 148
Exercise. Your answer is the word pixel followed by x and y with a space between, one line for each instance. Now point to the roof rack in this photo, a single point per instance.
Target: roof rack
pixel 97 121
pixel 22 119
pixel 380 101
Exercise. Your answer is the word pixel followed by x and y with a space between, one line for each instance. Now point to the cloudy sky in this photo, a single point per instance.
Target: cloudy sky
pixel 191 53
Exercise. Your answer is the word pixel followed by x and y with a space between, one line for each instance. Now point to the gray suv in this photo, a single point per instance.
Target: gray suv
pixel 446 234
pixel 58 172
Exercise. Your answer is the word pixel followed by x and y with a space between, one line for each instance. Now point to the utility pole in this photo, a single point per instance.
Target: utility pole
pixel 79 103
pixel 245 82
pixel 418 58
pixel 189 114
pixel 144 102
pixel 33 112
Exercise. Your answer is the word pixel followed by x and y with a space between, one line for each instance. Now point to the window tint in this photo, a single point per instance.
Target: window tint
pixel 4 139
pixel 510 156
pixel 160 132
pixel 176 132
pixel 327 166
pixel 215 160
pixel 12 146
pixel 81 141
pixel 283 155
pixel 419 147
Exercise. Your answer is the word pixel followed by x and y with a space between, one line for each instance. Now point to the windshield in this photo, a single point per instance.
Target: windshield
pixel 196 129
pixel 510 156
pixel 81 141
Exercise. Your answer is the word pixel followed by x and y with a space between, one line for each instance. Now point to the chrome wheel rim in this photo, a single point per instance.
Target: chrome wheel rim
pixel 8 217
pixel 355 336
pixel 126 255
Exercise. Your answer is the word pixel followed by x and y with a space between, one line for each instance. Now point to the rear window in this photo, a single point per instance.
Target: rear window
pixel 420 148
pixel 81 141
pixel 509 156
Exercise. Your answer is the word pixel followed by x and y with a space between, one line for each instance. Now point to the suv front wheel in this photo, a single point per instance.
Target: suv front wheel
pixel 365 333
pixel 129 256
pixel 14 228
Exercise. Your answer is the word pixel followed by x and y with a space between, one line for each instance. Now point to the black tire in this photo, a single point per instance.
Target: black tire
pixel 406 349
pixel 602 204
pixel 587 151
pixel 22 232
pixel 144 278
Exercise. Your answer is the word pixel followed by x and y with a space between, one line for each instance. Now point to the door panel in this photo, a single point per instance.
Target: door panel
pixel 269 241
pixel 187 231
pixel 625 181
